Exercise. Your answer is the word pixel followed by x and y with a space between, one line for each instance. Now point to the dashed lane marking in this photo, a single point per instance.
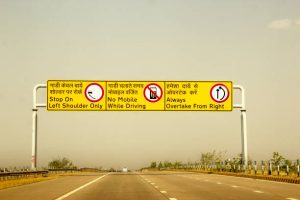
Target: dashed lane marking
pixel 257 191
pixel 219 183
pixel 161 191
pixel 289 198
pixel 234 186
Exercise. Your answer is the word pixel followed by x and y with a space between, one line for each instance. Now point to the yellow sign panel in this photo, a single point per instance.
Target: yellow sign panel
pixel 76 95
pixel 79 95
pixel 198 95
pixel 135 96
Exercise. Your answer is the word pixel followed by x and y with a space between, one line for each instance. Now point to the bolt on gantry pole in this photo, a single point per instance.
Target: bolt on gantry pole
pixel 242 107
pixel 34 125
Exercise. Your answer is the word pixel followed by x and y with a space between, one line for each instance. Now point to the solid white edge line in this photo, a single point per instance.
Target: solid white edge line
pixel 291 198
pixel 172 198
pixel 81 187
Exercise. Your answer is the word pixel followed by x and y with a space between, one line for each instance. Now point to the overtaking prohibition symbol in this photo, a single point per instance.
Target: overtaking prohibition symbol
pixel 94 92
pixel 153 92
pixel 219 93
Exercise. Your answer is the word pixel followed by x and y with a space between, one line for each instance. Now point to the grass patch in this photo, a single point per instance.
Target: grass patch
pixel 24 181
pixel 31 179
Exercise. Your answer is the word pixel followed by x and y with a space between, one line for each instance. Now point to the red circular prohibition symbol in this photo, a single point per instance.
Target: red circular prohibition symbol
pixel 211 90
pixel 158 97
pixel 96 99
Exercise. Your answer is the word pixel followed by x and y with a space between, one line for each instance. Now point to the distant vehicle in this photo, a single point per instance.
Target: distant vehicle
pixel 125 169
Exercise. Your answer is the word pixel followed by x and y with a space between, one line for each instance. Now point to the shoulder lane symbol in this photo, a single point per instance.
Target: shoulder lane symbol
pixel 94 92
pixel 90 93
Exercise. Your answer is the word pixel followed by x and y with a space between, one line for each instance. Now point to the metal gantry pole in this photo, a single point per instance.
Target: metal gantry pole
pixel 242 106
pixel 34 139
pixel 34 125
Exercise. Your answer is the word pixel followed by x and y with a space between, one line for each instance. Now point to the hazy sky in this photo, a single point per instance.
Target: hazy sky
pixel 253 43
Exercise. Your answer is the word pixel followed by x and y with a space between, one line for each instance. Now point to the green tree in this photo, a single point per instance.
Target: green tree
pixel 153 164
pixel 177 164
pixel 63 163
pixel 277 159
pixel 167 164
pixel 210 158
pixel 160 165
pixel 237 160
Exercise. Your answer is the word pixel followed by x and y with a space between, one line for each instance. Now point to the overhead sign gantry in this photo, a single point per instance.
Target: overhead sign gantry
pixel 87 95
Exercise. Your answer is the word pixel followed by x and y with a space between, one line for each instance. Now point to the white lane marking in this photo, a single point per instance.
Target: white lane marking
pixel 257 191
pixel 234 186
pixel 81 187
pixel 291 198
pixel 206 180
pixel 162 191
pixel 219 183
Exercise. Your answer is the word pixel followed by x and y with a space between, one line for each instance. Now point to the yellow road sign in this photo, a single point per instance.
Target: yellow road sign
pixel 76 95
pixel 83 95
pixel 198 96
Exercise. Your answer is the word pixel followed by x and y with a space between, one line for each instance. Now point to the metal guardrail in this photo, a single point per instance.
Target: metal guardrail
pixel 23 174
pixel 16 175
pixel 290 168
pixel 62 170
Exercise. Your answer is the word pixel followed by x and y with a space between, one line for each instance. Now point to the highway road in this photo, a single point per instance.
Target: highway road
pixel 153 185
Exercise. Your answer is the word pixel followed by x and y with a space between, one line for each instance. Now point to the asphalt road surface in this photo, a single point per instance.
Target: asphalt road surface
pixel 154 185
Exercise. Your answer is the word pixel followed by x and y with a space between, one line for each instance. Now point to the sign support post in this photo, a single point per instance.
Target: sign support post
pixel 243 125
pixel 34 125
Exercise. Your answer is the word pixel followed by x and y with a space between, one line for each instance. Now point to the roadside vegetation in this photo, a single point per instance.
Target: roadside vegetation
pixel 61 163
pixel 24 181
pixel 215 161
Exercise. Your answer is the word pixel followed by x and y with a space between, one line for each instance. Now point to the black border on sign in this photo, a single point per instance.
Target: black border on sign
pixel 231 96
